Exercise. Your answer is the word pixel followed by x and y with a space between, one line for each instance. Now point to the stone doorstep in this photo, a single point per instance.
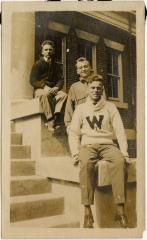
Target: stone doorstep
pixel 25 185
pixel 35 206
pixel 61 168
pixel 58 221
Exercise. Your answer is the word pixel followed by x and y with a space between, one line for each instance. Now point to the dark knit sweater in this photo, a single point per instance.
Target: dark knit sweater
pixel 44 73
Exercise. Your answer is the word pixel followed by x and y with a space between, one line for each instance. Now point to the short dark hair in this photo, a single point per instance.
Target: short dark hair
pixel 81 59
pixel 47 42
pixel 95 78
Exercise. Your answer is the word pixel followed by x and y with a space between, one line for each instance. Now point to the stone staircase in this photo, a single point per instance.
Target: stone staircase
pixel 32 201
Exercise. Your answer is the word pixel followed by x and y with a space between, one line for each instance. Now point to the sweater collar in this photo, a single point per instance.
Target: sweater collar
pixel 98 105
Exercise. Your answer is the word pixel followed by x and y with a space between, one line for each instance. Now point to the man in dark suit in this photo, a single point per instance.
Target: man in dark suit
pixel 47 79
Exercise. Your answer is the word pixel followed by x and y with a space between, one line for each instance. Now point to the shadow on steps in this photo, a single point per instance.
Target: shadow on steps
pixel 54 144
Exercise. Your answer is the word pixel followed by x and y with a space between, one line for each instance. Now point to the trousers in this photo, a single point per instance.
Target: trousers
pixel 89 156
pixel 50 104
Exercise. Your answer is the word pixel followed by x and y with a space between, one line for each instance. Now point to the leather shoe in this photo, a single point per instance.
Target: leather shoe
pixel 88 221
pixel 122 219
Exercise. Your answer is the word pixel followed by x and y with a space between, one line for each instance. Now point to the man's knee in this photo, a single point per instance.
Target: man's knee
pixel 119 161
pixel 62 95
pixel 120 157
pixel 38 93
pixel 117 156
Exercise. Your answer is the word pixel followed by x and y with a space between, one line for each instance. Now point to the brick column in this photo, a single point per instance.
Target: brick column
pixel 71 56
pixel 102 61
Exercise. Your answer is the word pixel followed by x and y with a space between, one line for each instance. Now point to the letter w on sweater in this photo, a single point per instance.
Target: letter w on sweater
pixel 95 121
pixel 96 124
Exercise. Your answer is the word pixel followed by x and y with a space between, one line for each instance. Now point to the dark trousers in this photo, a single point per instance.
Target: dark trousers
pixel 89 156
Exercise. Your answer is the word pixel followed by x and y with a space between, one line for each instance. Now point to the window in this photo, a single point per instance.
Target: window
pixel 85 50
pixel 114 52
pixel 57 39
pixel 113 73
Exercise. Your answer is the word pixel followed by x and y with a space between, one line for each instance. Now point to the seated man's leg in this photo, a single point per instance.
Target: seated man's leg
pixel 116 165
pixel 45 103
pixel 88 157
pixel 60 100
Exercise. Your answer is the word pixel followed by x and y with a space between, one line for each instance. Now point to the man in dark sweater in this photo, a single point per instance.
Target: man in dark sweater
pixel 47 79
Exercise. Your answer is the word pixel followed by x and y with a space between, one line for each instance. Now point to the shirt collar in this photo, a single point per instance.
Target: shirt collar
pixel 82 80
pixel 47 60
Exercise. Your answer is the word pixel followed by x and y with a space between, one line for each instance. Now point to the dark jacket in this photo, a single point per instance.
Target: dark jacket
pixel 43 73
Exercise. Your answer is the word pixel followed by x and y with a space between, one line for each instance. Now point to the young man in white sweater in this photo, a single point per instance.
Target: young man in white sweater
pixel 91 140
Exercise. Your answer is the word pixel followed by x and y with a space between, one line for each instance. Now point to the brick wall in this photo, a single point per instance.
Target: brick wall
pixel 101 60
pixel 71 56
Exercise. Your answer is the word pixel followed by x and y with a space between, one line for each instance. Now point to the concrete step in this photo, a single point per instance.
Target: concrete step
pixel 16 138
pixel 35 206
pixel 22 168
pixel 19 151
pixel 58 221
pixel 12 124
pixel 25 185
pixel 54 144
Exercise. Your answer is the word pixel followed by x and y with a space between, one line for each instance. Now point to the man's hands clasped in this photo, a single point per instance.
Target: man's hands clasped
pixel 50 91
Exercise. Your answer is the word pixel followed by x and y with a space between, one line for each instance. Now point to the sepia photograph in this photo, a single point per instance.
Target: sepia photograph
pixel 73 119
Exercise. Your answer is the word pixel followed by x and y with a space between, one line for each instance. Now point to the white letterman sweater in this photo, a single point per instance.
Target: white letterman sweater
pixel 96 124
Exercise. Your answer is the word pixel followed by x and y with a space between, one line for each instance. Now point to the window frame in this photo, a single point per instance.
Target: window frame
pixel 93 54
pixel 120 48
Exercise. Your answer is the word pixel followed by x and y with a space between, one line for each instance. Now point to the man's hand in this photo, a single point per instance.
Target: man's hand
pixel 75 160
pixel 128 160
pixel 47 90
pixel 54 90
